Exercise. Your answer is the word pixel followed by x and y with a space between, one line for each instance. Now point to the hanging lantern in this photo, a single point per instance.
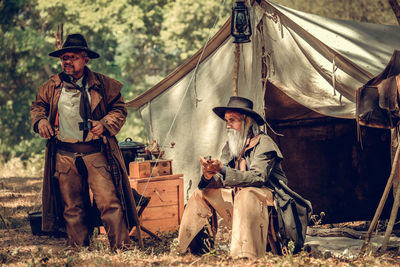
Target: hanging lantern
pixel 240 26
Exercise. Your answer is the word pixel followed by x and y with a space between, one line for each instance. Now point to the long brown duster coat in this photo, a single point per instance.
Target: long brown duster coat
pixel 108 107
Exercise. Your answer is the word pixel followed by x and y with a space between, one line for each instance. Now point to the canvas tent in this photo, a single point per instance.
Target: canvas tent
pixel 302 72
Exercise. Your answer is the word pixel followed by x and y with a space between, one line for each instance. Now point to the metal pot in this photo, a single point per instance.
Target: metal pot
pixel 132 150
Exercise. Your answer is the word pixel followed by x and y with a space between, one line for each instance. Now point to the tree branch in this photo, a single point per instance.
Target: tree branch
pixel 396 9
pixel 59 36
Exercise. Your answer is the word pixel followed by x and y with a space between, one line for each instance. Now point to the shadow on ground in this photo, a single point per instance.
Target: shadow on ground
pixel 18 247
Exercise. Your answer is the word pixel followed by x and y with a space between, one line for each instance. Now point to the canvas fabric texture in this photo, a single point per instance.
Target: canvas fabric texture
pixel 319 62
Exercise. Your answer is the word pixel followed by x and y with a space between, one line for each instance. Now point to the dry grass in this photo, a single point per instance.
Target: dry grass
pixel 15 167
pixel 18 247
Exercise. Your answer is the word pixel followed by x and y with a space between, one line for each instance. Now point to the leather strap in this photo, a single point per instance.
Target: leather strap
pixel 81 147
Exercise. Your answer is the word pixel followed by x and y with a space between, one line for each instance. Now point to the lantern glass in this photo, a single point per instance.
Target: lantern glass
pixel 240 26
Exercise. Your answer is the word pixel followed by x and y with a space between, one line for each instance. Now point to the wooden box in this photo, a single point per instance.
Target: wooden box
pixel 143 169
pixel 165 209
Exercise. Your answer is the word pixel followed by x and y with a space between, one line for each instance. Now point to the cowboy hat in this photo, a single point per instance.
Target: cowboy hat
pixel 73 43
pixel 241 105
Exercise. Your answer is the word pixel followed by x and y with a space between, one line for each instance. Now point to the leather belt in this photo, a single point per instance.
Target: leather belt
pixel 79 148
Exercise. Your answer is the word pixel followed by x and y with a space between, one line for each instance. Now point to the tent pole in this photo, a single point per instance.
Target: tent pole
pixel 396 195
pixel 381 203
pixel 236 69
pixel 392 219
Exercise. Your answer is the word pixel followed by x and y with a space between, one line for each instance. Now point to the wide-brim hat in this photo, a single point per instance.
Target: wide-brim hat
pixel 241 105
pixel 73 43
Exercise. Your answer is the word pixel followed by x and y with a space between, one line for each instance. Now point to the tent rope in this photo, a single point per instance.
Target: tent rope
pixel 280 25
pixel 265 80
pixel 183 98
pixel 267 61
pixel 197 100
pixel 151 122
pixel 334 69
pixel 334 75
pixel 270 65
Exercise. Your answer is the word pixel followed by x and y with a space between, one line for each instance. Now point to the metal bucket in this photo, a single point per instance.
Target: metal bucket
pixel 35 220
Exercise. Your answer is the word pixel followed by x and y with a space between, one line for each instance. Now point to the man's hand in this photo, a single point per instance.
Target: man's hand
pixel 207 174
pixel 45 129
pixel 97 128
pixel 210 167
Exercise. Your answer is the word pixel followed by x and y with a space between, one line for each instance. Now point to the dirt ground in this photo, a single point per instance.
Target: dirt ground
pixel 18 247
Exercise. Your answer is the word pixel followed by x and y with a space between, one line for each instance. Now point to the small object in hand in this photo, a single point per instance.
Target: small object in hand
pixel 85 125
pixel 207 158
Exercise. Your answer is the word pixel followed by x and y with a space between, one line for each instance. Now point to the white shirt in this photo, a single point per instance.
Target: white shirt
pixel 68 114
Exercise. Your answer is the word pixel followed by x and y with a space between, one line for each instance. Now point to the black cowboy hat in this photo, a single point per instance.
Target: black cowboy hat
pixel 241 105
pixel 74 42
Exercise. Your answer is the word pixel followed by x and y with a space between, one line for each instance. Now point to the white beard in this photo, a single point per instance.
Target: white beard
pixel 236 142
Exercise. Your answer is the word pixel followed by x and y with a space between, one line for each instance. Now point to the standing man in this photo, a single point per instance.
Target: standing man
pixel 235 186
pixel 79 112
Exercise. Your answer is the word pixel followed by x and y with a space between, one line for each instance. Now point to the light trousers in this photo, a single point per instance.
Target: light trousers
pixel 245 211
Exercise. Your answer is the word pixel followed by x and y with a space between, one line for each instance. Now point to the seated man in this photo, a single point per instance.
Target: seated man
pixel 235 186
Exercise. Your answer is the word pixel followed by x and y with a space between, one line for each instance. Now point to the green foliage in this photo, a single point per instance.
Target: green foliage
pixel 22 54
pixel 188 24
pixel 140 42
pixel 373 11
pixel 130 36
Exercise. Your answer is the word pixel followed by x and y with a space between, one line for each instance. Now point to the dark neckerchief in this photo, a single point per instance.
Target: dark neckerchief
pixel 84 106
pixel 240 163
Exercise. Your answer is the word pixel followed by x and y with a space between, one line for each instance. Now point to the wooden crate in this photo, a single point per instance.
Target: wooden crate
pixel 165 209
pixel 143 169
